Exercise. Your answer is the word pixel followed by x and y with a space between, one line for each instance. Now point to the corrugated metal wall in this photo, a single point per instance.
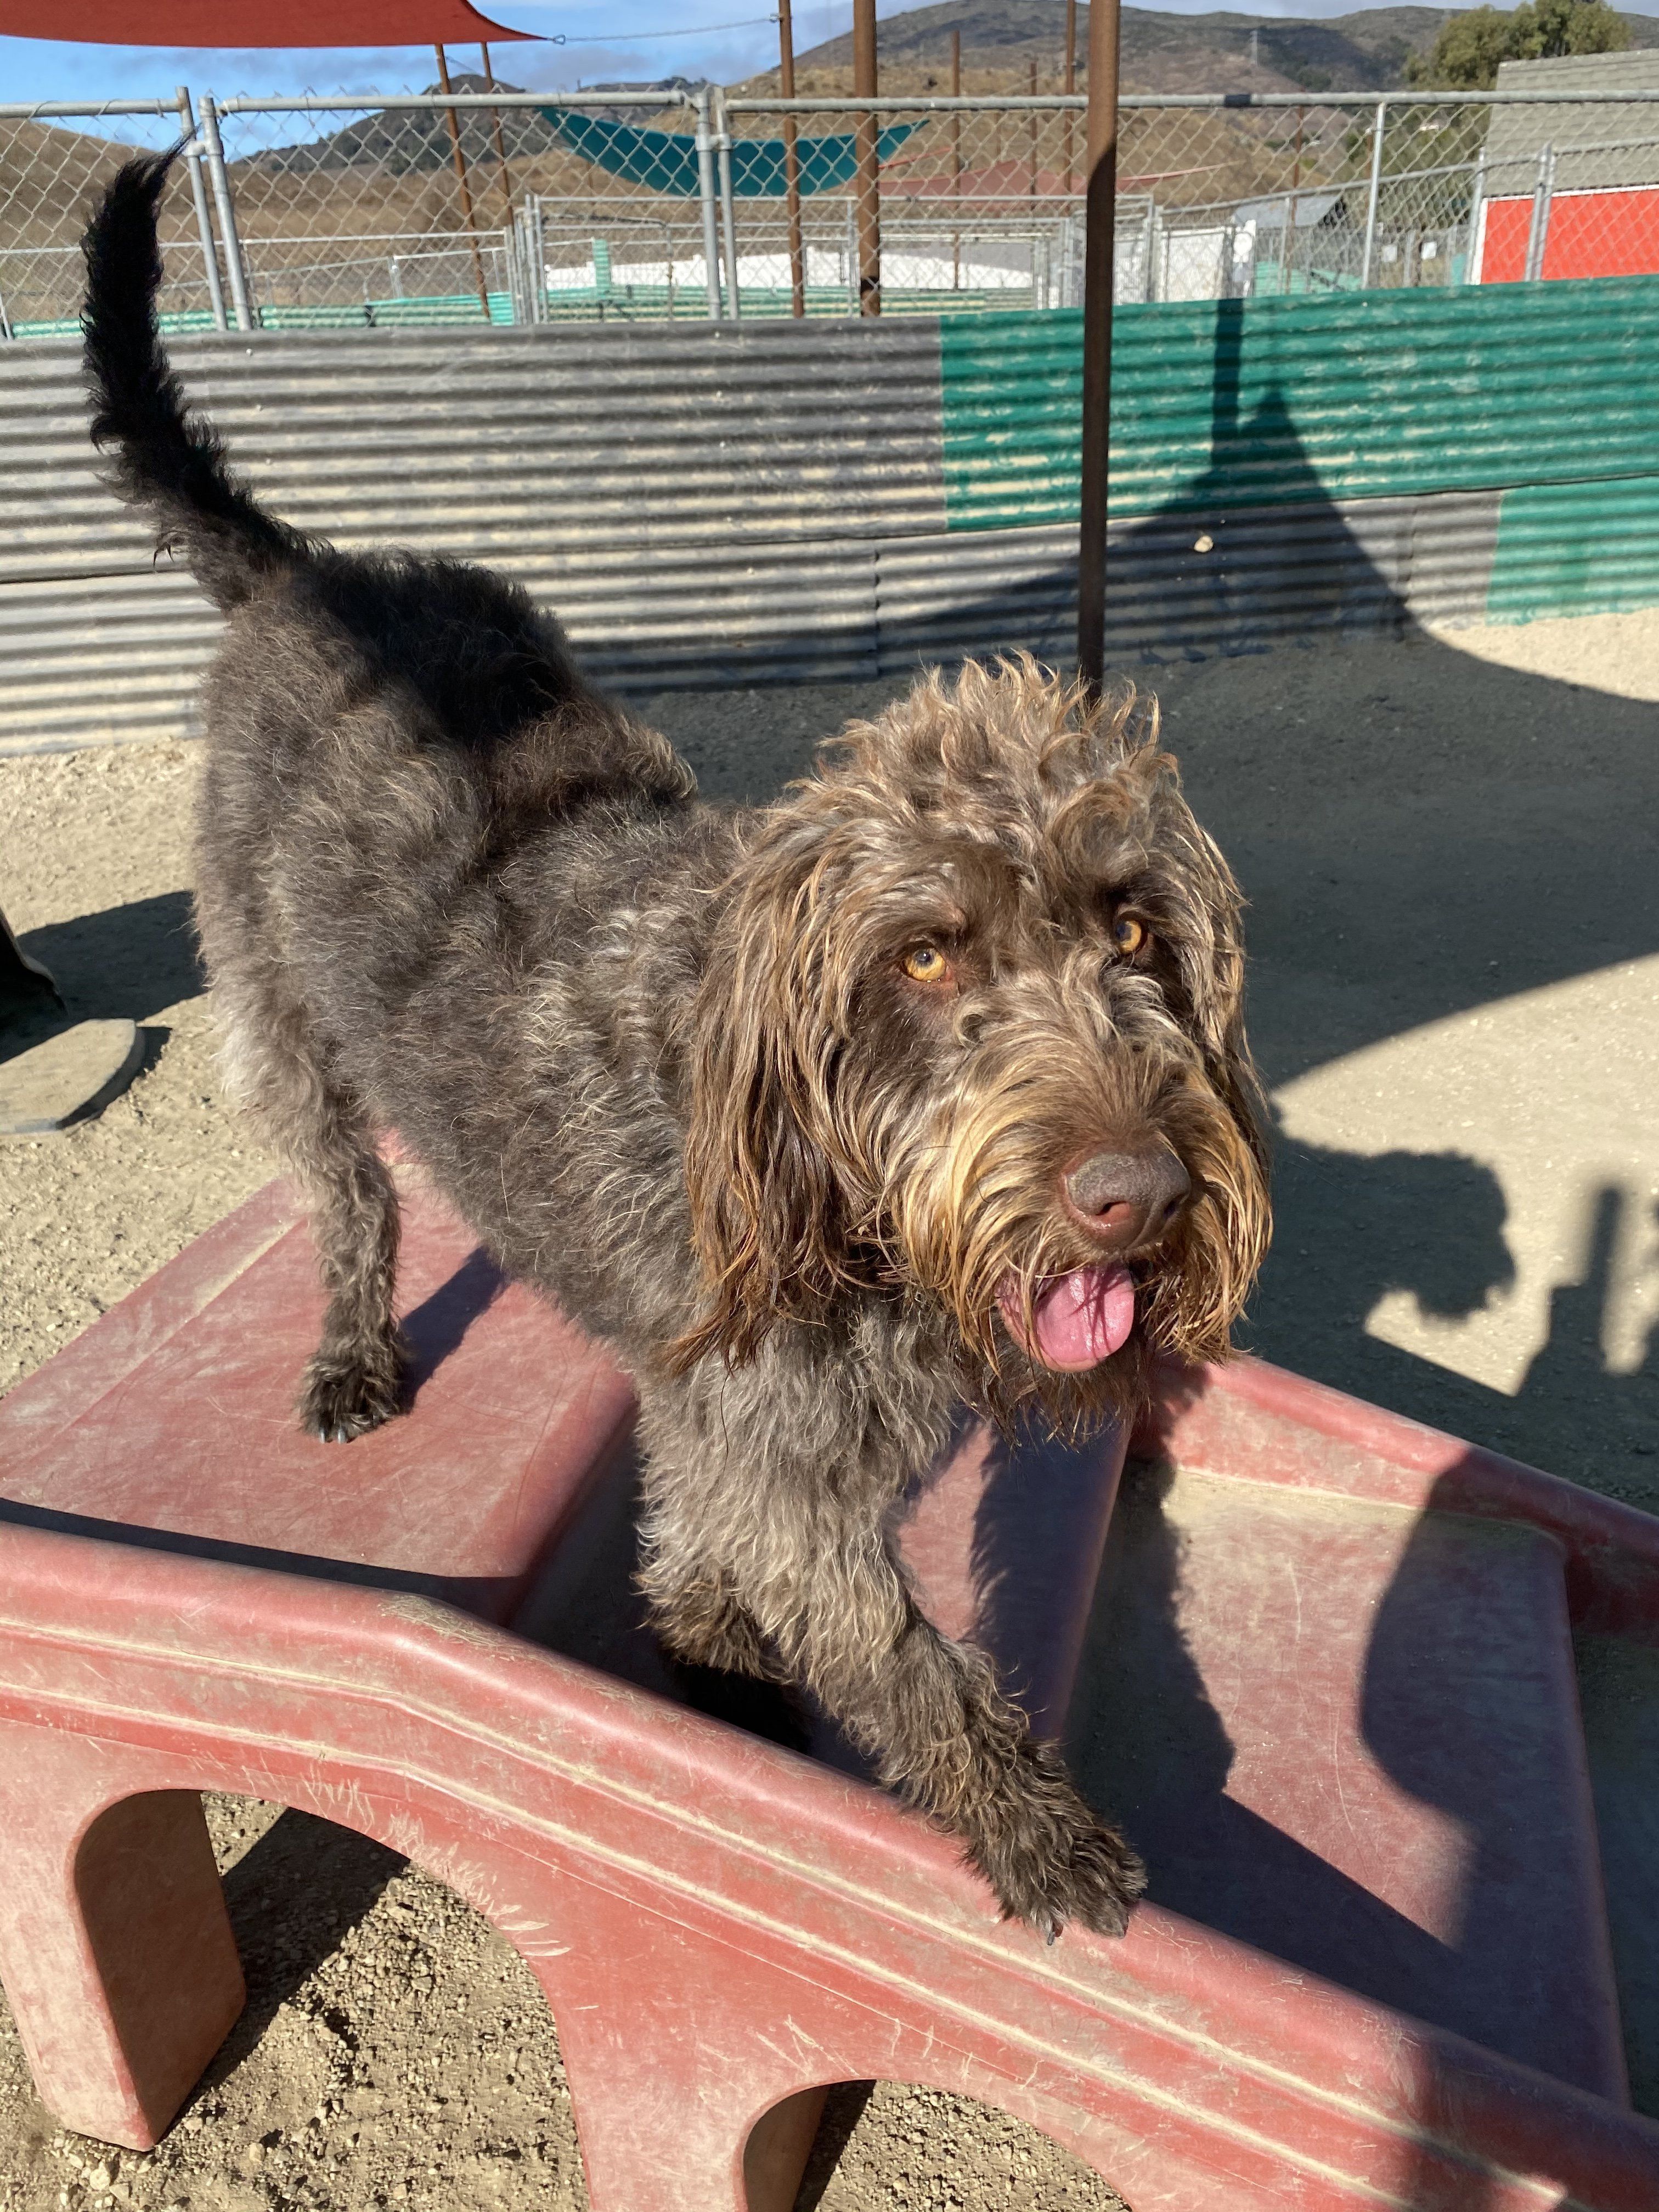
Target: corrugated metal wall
pixel 707 505
pixel 1576 549
pixel 698 503
pixel 1369 395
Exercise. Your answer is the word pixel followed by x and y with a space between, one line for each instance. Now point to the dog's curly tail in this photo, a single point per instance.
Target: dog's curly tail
pixel 164 457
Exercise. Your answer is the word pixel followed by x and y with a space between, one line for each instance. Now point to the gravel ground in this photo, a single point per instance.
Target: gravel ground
pixel 1456 945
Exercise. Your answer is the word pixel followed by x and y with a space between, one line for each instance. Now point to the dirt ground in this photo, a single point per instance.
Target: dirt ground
pixel 1454 938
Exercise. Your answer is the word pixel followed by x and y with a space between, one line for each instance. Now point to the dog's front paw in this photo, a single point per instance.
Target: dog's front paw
pixel 1053 1861
pixel 1097 1885
pixel 343 1399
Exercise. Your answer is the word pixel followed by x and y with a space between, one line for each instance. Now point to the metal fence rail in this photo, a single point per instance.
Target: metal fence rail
pixel 506 208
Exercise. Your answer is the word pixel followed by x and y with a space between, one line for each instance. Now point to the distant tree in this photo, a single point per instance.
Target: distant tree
pixel 1470 46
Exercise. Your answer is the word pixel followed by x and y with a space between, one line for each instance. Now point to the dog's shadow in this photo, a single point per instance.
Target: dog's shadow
pixel 433 1329
pixel 1146 1739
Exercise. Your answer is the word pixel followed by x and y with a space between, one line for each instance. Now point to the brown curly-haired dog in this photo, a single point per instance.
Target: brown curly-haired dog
pixel 926 1082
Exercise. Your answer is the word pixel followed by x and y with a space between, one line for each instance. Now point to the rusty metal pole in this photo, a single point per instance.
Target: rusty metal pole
pixel 791 161
pixel 1098 273
pixel 868 185
pixel 460 179
pixel 501 143
pixel 1070 87
pixel 1032 192
pixel 955 155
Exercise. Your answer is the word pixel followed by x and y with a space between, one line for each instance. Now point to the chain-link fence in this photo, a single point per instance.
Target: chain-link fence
pixel 421 209
pixel 54 160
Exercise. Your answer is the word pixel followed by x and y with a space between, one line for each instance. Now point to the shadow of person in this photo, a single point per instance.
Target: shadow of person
pixel 1416 846
pixel 1352 1228
pixel 1569 1381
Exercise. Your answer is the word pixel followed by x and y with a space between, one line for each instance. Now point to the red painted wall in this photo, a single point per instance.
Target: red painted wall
pixel 1613 233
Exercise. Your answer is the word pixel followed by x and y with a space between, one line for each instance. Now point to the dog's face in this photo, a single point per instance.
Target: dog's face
pixel 973 1028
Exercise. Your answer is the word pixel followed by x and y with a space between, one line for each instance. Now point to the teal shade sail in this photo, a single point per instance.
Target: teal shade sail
pixel 667 161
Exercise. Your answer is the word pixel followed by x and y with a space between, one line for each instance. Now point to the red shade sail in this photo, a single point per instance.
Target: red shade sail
pixel 252 22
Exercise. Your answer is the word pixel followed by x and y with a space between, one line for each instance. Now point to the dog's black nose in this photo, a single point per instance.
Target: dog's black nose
pixel 1125 1199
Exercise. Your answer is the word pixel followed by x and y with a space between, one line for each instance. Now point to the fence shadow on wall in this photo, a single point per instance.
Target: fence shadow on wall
pixel 1205 574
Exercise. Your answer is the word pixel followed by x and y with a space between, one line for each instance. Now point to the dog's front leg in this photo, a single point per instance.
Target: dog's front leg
pixel 777 1563
pixel 943 1736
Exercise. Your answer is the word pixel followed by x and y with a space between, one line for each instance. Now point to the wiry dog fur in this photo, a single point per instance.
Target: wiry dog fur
pixel 781 1105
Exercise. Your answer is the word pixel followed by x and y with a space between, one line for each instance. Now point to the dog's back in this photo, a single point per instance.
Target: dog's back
pixel 479 672
pixel 410 794
pixel 379 724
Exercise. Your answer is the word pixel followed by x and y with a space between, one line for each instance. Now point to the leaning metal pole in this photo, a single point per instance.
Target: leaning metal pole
pixel 203 225
pixel 705 194
pixel 866 137
pixel 466 189
pixel 1099 258
pixel 225 209
pixel 791 161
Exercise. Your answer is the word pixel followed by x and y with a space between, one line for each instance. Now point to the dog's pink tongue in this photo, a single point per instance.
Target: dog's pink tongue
pixel 1079 1319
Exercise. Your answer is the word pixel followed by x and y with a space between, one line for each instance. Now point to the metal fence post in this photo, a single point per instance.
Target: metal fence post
pixel 1099 292
pixel 1374 194
pixel 234 267
pixel 1477 199
pixel 517 268
pixel 728 213
pixel 711 244
pixel 1538 234
pixel 790 162
pixel 866 138
pixel 204 227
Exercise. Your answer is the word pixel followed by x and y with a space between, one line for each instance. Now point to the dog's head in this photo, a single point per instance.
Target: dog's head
pixel 972 1028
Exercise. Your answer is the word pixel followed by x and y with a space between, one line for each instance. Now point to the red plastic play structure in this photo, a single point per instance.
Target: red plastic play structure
pixel 1331 1693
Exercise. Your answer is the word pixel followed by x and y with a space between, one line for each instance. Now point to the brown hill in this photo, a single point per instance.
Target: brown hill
pixel 1222 51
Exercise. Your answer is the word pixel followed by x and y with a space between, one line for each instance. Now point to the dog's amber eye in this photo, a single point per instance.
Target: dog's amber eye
pixel 926 964
pixel 1129 935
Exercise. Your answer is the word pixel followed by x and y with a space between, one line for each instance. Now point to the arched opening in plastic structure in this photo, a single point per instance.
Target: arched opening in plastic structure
pixel 886 2142
pixel 393 2041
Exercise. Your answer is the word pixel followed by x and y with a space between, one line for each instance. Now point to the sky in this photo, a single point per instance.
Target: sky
pixel 725 40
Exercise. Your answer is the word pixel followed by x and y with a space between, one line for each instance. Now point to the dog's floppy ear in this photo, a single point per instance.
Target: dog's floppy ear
pixel 1219 1002
pixel 765 1208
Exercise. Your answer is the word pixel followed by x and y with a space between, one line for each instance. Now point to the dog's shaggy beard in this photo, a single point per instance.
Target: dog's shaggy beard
pixel 964 1207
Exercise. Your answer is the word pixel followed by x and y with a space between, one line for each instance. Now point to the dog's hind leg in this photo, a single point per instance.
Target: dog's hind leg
pixel 281 1069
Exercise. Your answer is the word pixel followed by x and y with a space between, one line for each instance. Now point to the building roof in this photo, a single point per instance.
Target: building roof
pixel 1310 209
pixel 1610 144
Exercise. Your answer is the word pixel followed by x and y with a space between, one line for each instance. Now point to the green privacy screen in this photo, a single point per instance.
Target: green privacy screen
pixel 1576 549
pixel 1265 403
